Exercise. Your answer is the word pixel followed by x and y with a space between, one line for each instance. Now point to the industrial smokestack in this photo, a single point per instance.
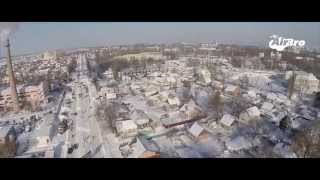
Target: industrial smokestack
pixel 14 94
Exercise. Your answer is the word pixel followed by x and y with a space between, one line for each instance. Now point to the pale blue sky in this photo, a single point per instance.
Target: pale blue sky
pixel 34 37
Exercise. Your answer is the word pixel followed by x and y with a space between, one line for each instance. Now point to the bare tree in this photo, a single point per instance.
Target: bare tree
pixel 213 70
pixel 306 142
pixel 291 86
pixel 216 103
pixel 238 105
pixel 244 82
pixel 106 113
pixel 8 150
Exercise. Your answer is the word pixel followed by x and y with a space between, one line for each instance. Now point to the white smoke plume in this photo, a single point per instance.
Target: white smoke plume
pixel 7 28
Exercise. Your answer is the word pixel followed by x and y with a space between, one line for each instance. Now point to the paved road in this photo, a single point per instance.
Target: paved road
pixel 86 129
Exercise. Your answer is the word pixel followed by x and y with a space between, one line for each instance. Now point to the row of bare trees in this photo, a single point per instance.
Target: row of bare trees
pixel 106 112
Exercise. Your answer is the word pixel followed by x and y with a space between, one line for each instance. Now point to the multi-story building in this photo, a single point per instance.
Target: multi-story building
pixel 34 94
pixel 306 83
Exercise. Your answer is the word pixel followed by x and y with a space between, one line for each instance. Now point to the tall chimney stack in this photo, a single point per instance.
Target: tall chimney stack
pixel 14 94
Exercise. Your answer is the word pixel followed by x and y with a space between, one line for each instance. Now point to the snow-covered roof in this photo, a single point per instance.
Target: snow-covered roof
pixel 230 88
pixel 174 117
pixel 173 100
pixel 227 119
pixel 151 91
pixel 190 106
pixel 140 117
pixel 126 125
pixel 266 106
pixel 195 129
pixel 253 111
pixel 250 114
pixel 24 88
pixel 252 93
pixel 301 75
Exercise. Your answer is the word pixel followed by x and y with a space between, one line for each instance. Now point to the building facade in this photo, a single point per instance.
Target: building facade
pixel 33 94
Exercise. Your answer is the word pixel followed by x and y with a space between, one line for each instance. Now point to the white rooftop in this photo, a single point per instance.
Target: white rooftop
pixel 227 119
pixel 127 125
pixel 195 129
pixel 266 106
pixel 230 88
pixel 253 111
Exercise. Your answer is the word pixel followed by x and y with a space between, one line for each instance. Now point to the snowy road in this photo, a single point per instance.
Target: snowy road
pixel 86 130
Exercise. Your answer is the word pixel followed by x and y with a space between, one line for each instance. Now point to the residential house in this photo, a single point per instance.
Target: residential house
pixel 198 131
pixel 250 114
pixel 227 120
pixel 192 110
pixel 266 107
pixel 141 119
pixel 306 83
pixel 205 76
pixel 34 94
pixel 232 90
pixel 127 128
pixel 173 100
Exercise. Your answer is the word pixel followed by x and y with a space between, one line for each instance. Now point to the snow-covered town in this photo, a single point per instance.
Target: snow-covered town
pixel 183 100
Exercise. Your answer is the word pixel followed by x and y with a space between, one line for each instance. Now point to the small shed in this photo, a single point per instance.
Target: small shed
pixel 198 131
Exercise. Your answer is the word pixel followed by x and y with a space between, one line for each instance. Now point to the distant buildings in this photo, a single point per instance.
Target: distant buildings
pixel 205 76
pixel 50 55
pixel 209 47
pixel 108 74
pixel 261 55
